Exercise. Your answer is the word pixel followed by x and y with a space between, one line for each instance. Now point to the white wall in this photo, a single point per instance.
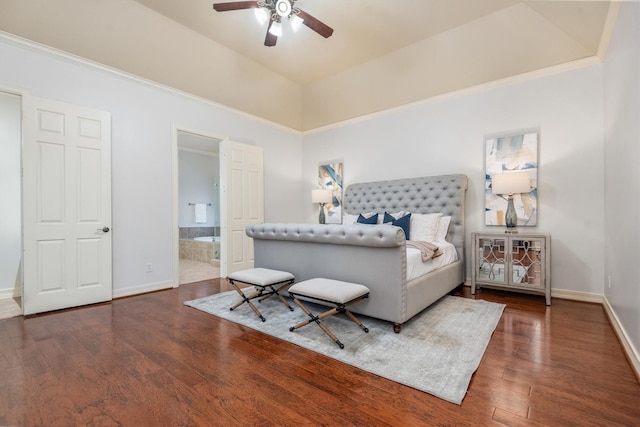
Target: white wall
pixel 622 174
pixel 447 136
pixel 130 36
pixel 10 197
pixel 142 119
pixel 198 182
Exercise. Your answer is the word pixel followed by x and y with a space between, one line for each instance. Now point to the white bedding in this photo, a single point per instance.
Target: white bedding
pixel 417 268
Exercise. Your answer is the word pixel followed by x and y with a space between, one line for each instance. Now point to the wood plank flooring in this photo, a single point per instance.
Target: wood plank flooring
pixel 149 360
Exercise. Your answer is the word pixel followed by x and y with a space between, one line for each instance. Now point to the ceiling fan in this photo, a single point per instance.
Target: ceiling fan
pixel 275 11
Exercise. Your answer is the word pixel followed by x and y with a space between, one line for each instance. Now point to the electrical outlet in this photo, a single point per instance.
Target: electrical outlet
pixel 609 282
pixel 149 267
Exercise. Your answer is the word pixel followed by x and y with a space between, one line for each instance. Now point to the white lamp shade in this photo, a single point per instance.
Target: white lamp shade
pixel 261 14
pixel 321 196
pixel 511 183
pixel 296 22
pixel 276 29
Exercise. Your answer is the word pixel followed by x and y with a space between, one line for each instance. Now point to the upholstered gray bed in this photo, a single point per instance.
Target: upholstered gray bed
pixel 374 256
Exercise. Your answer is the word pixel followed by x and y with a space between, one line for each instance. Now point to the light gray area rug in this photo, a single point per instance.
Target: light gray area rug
pixel 436 352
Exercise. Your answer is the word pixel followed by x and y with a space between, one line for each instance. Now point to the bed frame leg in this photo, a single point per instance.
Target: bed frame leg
pixel 397 327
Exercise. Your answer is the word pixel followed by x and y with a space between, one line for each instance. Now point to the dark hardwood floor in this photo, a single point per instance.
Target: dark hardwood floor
pixel 149 360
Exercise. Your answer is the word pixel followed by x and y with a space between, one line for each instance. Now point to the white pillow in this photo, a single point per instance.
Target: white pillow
pixel 348 219
pixel 424 226
pixel 443 227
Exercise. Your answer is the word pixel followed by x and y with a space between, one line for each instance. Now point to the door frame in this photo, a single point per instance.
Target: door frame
pixel 175 192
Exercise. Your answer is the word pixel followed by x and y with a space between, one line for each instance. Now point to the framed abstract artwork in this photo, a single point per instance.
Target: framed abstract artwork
pixel 330 177
pixel 513 152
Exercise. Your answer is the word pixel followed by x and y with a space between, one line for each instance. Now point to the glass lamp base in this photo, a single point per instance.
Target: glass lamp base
pixel 511 217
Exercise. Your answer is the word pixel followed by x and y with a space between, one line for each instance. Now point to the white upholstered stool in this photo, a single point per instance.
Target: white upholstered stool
pixel 266 282
pixel 335 292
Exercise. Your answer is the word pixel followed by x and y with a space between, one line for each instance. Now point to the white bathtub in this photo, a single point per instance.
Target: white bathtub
pixel 215 239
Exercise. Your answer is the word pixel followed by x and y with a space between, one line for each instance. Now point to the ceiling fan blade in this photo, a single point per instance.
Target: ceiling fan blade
pixel 319 27
pixel 270 40
pixel 235 5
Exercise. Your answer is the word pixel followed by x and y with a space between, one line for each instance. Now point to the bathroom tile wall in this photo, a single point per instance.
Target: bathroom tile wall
pixel 196 251
pixel 191 232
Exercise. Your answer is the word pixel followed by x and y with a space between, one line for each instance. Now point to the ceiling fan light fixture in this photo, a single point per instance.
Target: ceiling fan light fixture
pixel 275 11
pixel 283 8
pixel 276 29
pixel 296 22
pixel 261 14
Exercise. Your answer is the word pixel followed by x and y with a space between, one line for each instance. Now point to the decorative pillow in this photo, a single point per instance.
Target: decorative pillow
pixel 403 222
pixel 443 227
pixel 373 219
pixel 395 215
pixel 424 226
pixel 349 219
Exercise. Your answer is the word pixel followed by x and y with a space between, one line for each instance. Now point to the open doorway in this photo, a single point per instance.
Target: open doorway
pixel 198 210
pixel 11 213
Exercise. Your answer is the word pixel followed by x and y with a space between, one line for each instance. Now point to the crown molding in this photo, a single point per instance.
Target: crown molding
pixel 532 75
pixel 33 46
pixel 484 87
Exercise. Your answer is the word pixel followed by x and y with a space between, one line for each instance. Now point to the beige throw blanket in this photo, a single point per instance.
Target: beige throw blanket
pixel 428 250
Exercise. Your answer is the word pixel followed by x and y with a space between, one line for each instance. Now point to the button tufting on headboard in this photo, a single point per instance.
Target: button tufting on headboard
pixel 443 193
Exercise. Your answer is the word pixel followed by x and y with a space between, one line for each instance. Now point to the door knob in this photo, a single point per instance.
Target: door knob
pixel 104 229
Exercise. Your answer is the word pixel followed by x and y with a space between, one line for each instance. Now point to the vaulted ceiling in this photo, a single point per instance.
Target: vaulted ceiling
pixel 382 54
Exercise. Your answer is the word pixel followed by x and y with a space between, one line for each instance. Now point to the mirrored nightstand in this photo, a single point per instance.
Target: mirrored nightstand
pixel 519 262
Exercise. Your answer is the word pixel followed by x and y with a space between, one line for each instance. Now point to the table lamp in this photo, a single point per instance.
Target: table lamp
pixel 509 184
pixel 322 197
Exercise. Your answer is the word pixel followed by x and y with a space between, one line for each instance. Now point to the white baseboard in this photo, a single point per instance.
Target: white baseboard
pixel 627 346
pixel 150 287
pixel 576 295
pixel 9 293
pixel 565 294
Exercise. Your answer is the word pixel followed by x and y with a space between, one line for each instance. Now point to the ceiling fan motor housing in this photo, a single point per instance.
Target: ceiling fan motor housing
pixel 283 8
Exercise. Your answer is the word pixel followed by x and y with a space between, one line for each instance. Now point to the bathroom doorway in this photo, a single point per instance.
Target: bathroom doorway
pixel 198 211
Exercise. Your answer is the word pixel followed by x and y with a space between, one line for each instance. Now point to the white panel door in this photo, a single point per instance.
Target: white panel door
pixel 241 203
pixel 66 158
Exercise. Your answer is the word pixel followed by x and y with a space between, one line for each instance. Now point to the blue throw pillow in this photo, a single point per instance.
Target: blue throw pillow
pixel 373 219
pixel 403 222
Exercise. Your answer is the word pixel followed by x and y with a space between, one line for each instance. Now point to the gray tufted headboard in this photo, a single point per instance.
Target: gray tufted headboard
pixel 429 194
